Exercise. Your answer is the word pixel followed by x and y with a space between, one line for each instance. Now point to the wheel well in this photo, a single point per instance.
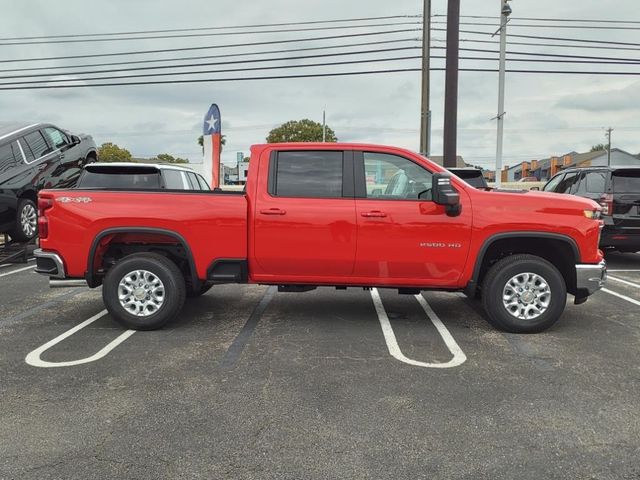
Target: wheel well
pixel 93 155
pixel 558 252
pixel 110 248
pixel 31 195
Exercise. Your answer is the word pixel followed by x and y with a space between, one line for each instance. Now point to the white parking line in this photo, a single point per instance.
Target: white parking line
pixel 619 295
pixel 16 271
pixel 392 344
pixel 34 360
pixel 625 282
pixel 627 270
pixel 5 265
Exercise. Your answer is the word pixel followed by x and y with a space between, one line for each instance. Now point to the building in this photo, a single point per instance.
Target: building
pixel 546 168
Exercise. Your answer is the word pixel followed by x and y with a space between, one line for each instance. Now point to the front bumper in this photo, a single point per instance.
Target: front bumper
pixel 590 278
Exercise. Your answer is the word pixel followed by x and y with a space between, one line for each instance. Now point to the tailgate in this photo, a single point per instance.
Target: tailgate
pixel 625 185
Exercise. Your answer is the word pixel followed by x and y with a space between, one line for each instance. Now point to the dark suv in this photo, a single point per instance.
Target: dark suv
pixel 617 190
pixel 33 157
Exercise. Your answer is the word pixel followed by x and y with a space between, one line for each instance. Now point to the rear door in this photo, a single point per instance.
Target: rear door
pixel 404 238
pixel 625 186
pixel 43 158
pixel 304 218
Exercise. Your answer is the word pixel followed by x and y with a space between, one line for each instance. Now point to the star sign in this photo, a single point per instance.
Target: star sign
pixel 212 122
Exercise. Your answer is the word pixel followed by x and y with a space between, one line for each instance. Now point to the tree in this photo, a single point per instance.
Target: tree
pixel 300 131
pixel 110 152
pixel 223 142
pixel 166 158
pixel 599 147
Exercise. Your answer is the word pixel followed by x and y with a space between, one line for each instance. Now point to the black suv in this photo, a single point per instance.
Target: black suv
pixel 33 157
pixel 473 176
pixel 617 190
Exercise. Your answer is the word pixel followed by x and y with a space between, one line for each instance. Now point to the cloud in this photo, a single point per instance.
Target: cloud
pixel 612 100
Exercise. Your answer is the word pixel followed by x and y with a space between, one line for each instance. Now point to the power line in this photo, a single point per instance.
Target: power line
pixel 537 19
pixel 530 44
pixel 183 49
pixel 214 34
pixel 175 30
pixel 537 25
pixel 226 55
pixel 311 75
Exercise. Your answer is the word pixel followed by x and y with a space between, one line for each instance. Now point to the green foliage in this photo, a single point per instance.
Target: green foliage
pixel 300 131
pixel 223 142
pixel 110 152
pixel 166 158
pixel 599 147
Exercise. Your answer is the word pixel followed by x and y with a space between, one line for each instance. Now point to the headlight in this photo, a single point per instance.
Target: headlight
pixel 593 214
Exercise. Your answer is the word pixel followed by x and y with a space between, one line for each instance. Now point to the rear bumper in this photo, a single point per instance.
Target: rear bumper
pixel 49 263
pixel 590 278
pixel 620 238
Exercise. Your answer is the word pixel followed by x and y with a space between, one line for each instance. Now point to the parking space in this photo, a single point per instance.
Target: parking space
pixel 251 383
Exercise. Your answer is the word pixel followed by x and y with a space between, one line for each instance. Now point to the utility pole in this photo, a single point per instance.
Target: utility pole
pixel 425 114
pixel 451 85
pixel 505 11
pixel 608 135
pixel 324 127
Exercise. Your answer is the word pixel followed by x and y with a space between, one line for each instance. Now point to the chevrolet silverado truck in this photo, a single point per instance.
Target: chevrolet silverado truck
pixel 321 214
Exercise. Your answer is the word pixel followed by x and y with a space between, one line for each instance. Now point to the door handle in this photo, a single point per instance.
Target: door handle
pixel 272 211
pixel 374 213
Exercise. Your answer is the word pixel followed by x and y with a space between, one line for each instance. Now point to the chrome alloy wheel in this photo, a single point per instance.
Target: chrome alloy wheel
pixel 141 293
pixel 29 220
pixel 526 296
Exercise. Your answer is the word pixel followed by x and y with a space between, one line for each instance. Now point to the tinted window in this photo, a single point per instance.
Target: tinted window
pixel 7 157
pixel 567 182
pixel 472 177
pixel 37 144
pixel 173 179
pixel 309 174
pixel 553 183
pixel 56 138
pixel 134 181
pixel 392 177
pixel 592 182
pixel 193 181
pixel 626 182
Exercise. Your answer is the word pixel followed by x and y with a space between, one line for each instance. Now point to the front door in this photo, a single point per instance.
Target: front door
pixel 404 238
pixel 304 218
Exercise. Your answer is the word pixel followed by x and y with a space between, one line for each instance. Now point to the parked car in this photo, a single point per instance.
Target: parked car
pixel 617 190
pixel 528 179
pixel 473 176
pixel 33 157
pixel 145 176
pixel 307 219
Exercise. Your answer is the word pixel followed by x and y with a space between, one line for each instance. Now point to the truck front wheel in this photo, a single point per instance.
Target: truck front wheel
pixel 523 294
pixel 144 291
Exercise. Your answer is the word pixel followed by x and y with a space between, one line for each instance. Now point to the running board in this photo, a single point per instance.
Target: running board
pixel 72 282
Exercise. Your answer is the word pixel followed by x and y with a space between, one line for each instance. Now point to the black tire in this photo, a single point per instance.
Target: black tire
pixel 173 292
pixel 26 214
pixel 496 280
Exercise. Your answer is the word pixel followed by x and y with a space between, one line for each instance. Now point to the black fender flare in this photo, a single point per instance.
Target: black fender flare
pixel 90 276
pixel 471 287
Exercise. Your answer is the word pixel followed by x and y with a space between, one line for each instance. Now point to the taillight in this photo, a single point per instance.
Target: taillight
pixel 44 204
pixel 606 202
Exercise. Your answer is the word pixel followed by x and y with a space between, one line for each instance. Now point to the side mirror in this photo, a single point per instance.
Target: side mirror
pixel 75 140
pixel 535 188
pixel 444 194
pixel 376 192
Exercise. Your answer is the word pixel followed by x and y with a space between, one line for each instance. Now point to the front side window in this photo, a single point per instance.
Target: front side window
pixel 203 183
pixel 36 143
pixel 567 182
pixel 392 177
pixel 310 174
pixel 56 138
pixel 553 183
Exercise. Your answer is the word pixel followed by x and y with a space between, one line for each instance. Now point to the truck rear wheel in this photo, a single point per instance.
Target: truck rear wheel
pixel 523 294
pixel 144 291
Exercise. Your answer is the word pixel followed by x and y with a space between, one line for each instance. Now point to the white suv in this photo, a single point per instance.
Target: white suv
pixel 140 176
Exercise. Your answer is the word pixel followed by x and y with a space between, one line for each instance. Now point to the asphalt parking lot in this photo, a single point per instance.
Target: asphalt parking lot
pixel 250 383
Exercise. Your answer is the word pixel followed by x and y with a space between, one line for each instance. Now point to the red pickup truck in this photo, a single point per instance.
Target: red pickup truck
pixel 326 214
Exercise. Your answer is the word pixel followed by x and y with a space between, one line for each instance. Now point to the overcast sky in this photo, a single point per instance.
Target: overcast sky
pixel 546 114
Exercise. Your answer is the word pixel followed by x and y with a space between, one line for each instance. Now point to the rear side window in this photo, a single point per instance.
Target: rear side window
pixel 37 144
pixel 8 159
pixel 626 182
pixel 133 181
pixel 173 180
pixel 592 182
pixel 310 174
